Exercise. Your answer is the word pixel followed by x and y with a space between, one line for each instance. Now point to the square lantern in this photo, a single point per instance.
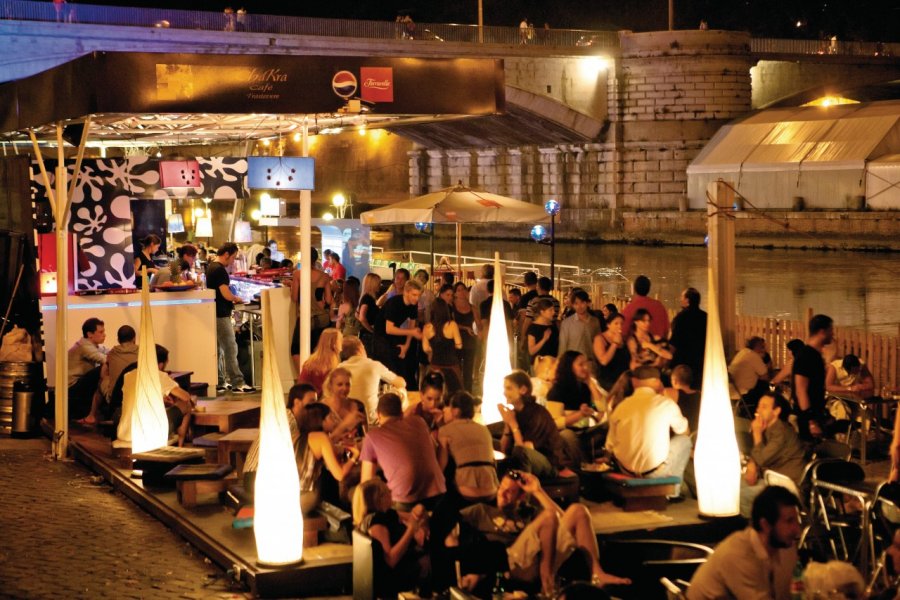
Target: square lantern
pixel 280 173
pixel 179 174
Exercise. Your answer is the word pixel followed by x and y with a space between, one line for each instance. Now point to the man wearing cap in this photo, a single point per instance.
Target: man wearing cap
pixel 639 430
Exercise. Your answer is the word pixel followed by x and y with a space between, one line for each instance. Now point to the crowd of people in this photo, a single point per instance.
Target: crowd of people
pixel 385 420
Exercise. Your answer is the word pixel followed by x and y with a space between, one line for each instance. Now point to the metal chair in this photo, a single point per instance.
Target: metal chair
pixel 775 478
pixel 647 561
pixel 884 520
pixel 835 481
pixel 674 591
pixel 832 449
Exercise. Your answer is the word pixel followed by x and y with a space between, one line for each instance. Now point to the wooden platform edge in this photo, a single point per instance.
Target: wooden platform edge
pixel 262 582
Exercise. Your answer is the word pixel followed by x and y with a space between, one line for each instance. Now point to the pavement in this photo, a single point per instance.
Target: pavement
pixel 66 534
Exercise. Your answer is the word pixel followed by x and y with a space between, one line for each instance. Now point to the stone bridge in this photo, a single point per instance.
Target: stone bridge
pixel 607 122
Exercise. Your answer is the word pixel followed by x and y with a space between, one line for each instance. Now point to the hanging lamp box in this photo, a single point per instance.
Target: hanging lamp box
pixel 281 173
pixel 179 174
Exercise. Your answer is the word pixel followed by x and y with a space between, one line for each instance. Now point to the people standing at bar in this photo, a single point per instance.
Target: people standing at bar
pixel 176 272
pixel 229 376
pixel 144 258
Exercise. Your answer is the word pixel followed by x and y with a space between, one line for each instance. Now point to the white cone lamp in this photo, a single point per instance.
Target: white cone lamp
pixel 149 425
pixel 717 463
pixel 277 519
pixel 496 364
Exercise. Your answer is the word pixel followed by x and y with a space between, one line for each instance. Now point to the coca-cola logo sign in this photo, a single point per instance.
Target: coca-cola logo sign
pixel 377 84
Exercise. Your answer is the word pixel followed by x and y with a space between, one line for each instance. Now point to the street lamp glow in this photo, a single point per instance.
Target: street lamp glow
pixel 327 216
pixel 255 214
pixel 338 200
pixel 538 233
pixel 551 207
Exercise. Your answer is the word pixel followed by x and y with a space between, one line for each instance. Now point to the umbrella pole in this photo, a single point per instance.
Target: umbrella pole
pixel 432 254
pixel 459 272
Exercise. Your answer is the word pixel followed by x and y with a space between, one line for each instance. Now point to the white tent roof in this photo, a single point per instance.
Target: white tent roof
pixel 788 139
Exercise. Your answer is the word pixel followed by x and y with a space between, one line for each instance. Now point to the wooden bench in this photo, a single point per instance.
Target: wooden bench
pixel 196 481
pixel 636 493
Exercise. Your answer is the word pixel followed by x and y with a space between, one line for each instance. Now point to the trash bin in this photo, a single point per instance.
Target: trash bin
pixel 25 396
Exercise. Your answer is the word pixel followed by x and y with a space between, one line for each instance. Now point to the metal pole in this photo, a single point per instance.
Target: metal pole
pixel 721 257
pixel 432 255
pixel 305 255
pixel 459 272
pixel 553 250
pixel 671 15
pixel 480 22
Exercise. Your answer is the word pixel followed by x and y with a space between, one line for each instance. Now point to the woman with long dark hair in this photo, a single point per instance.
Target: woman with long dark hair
pixel 467 320
pixel 611 352
pixel 442 342
pixel 582 401
pixel 646 350
pixel 144 258
pixel 346 315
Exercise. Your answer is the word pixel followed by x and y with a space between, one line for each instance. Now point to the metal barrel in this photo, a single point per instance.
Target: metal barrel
pixel 31 373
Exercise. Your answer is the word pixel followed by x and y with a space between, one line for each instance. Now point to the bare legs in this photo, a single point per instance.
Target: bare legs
pixel 577 521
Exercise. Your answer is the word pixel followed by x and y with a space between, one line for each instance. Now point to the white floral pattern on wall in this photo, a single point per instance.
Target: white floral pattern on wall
pixel 101 213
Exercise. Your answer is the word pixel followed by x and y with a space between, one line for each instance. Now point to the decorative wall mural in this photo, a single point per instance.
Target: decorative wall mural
pixel 101 213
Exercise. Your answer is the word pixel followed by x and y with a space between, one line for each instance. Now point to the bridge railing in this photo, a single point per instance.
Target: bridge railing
pixel 823 47
pixel 211 21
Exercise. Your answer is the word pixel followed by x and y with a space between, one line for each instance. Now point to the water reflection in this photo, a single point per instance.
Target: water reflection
pixel 856 289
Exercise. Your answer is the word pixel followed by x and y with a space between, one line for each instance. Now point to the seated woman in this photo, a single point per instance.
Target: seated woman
pixel 611 352
pixel 583 403
pixel 431 401
pixel 645 349
pixel 401 563
pixel 471 447
pixel 442 342
pixel 326 357
pixel 348 413
pixel 542 336
pixel 313 450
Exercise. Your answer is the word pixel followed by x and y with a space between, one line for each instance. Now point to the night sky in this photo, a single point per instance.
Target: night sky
pixel 870 20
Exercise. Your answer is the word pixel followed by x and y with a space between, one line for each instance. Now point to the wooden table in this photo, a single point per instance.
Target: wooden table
pixel 227 415
pixel 237 442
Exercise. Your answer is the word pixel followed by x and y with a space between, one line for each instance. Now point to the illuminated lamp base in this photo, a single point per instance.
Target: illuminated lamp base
pixel 278 566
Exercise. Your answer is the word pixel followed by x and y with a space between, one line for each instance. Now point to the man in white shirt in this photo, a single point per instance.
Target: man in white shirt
pixel 756 563
pixel 639 430
pixel 366 374
pixel 749 372
pixel 479 292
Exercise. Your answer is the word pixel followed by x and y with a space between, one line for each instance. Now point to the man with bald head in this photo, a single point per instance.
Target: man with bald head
pixel 639 430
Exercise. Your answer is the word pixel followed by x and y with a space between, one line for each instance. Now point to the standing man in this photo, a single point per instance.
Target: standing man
pixel 479 291
pixel 401 276
pixel 808 376
pixel 688 339
pixel 395 331
pixel 577 331
pixel 230 376
pixel 759 561
pixel 659 327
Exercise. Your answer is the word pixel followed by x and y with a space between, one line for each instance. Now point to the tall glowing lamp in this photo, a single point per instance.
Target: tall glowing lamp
pixel 717 462
pixel 149 425
pixel 497 363
pixel 277 519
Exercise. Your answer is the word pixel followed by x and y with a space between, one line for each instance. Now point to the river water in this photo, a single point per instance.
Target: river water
pixel 856 289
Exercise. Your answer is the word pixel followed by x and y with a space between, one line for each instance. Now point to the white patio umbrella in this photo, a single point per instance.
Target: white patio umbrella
pixel 457 205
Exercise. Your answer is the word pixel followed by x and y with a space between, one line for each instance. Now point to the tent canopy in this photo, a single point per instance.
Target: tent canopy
pixel 813 137
pixel 457 204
